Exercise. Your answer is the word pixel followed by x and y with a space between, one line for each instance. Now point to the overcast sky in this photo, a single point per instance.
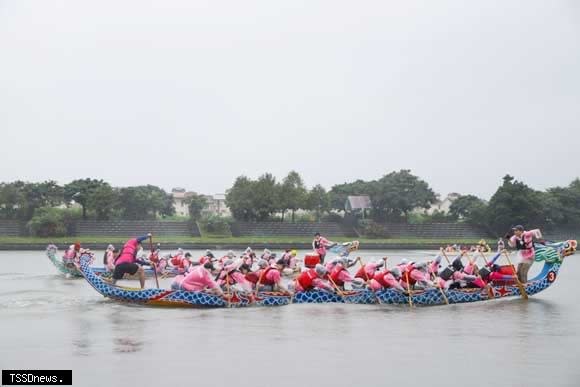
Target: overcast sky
pixel 194 93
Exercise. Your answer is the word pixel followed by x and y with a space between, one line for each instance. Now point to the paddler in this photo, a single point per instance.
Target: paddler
pixel 249 257
pixel 523 241
pixel 198 279
pixel 269 277
pixel 71 254
pixel 313 279
pixel 127 262
pixel 109 259
pixel 385 279
pixel 288 259
pixel 367 271
pixel 339 275
pixel 229 275
pixel 416 273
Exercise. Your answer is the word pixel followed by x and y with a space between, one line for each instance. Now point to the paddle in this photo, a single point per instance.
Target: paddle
pixel 154 265
pixel 523 292
pixel 336 287
pixel 445 255
pixel 228 288
pixel 409 289
pixel 439 287
pixel 259 281
pixel 367 277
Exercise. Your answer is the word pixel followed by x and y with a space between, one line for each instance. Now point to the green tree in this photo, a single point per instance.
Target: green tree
pixel 469 208
pixel 292 194
pixel 398 193
pixel 81 190
pixel 196 204
pixel 251 200
pixel 12 200
pixel 562 204
pixel 239 199
pixel 265 197
pixel 144 202
pixel 37 195
pixel 515 203
pixel 318 201
pixel 103 201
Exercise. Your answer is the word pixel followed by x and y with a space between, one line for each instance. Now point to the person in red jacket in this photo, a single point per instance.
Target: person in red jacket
pixel 313 279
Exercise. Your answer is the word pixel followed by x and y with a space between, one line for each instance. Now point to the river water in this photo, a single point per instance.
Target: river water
pixel 49 322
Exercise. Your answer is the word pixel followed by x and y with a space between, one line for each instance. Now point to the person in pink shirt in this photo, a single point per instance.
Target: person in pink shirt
pixel 523 241
pixel 367 271
pixel 127 261
pixel 312 279
pixel 109 258
pixel 197 280
pixel 385 279
pixel 269 276
pixel 249 257
pixel 320 244
pixel 339 276
pixel 420 274
pixel 70 255
pixel 230 276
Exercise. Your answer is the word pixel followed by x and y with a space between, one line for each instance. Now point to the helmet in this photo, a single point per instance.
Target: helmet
pixel 262 263
pixel 396 272
pixel 421 266
pixel 320 270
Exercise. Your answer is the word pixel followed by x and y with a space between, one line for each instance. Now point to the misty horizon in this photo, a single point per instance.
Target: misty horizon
pixel 194 94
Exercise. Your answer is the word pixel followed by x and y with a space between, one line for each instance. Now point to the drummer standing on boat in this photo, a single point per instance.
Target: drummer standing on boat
pixel 523 241
pixel 319 244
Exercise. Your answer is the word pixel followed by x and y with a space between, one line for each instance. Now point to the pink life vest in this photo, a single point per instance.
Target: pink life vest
pixel 128 253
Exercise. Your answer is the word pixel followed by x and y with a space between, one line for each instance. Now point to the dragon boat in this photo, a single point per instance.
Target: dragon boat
pixel 72 271
pixel 551 254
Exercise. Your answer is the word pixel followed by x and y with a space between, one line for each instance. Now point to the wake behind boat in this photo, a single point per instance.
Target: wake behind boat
pixel 551 254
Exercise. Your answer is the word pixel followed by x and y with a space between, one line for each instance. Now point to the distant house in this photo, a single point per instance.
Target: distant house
pixel 180 197
pixel 357 204
pixel 216 204
pixel 442 205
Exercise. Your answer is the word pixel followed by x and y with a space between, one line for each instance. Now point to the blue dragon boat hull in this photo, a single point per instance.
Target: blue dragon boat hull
pixel 432 296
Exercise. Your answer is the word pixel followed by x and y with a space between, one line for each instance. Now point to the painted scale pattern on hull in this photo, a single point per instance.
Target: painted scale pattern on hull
pixel 431 296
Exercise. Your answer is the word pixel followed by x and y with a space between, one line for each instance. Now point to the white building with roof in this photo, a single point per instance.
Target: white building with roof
pixel 216 204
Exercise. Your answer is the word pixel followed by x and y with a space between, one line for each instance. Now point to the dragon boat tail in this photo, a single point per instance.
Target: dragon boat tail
pixel 72 270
